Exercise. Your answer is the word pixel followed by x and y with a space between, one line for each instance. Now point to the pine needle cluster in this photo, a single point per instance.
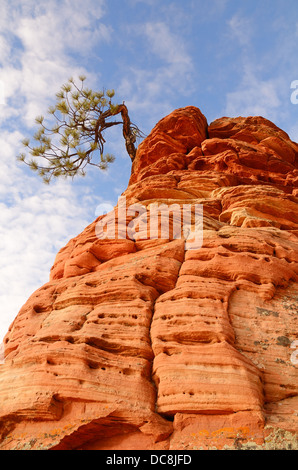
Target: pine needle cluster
pixel 76 140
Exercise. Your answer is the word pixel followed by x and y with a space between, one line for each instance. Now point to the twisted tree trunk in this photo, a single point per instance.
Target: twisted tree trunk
pixel 128 133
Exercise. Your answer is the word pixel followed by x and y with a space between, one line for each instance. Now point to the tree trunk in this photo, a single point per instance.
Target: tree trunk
pixel 128 135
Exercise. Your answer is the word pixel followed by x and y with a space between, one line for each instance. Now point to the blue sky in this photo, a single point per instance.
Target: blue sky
pixel 227 57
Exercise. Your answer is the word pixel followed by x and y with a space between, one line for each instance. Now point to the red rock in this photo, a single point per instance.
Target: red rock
pixel 137 343
pixel 171 139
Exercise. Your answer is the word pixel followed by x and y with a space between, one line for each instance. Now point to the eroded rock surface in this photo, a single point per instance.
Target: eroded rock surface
pixel 138 343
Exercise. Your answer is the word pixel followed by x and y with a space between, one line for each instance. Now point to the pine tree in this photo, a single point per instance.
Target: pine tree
pixel 76 140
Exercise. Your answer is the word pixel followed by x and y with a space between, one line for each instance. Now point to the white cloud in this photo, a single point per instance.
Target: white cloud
pixel 35 222
pixel 37 42
pixel 46 35
pixel 68 25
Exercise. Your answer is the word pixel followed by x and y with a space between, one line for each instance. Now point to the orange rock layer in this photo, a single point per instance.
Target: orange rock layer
pixel 140 343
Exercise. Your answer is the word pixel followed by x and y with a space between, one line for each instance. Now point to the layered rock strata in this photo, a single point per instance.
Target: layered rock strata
pixel 141 342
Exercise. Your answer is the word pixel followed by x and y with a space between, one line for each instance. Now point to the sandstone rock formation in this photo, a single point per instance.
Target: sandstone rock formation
pixel 139 343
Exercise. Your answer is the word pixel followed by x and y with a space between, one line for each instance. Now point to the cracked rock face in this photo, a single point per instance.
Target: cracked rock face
pixel 139 343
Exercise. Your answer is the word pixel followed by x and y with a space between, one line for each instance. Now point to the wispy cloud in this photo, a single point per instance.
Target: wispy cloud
pixel 255 96
pixel 39 40
pixel 264 79
pixel 153 89
pixel 37 46
pixel 240 28
pixel 167 45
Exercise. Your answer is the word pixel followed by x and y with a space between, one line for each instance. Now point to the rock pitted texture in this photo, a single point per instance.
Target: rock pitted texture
pixel 141 344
